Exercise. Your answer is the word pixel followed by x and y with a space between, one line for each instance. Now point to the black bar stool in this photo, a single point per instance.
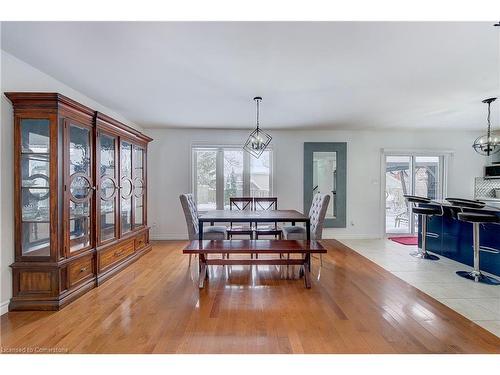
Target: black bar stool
pixel 465 203
pixel 430 209
pixel 477 218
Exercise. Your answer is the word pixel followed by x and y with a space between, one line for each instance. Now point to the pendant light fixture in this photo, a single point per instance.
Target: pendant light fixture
pixel 487 144
pixel 257 140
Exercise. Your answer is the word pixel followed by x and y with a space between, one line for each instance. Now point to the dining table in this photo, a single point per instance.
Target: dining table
pixel 248 216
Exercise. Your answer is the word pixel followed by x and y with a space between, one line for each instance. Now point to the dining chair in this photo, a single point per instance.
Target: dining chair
pixel 266 204
pixel 241 204
pixel 191 214
pixel 317 214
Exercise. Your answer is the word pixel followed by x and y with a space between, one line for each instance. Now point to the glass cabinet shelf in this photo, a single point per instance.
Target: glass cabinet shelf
pixel 39 154
pixel 37 248
pixel 78 217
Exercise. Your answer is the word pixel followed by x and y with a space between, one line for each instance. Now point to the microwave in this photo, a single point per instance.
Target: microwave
pixel 492 171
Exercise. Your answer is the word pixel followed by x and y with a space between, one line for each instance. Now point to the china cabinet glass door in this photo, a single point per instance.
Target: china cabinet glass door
pixel 35 188
pixel 139 186
pixel 126 187
pixel 108 187
pixel 81 187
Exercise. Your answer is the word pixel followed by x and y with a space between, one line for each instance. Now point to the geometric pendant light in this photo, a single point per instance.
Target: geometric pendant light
pixel 257 140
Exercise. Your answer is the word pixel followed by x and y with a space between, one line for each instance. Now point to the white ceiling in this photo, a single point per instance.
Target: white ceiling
pixel 343 75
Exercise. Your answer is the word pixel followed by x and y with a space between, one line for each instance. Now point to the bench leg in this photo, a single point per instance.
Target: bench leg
pixel 203 271
pixel 288 267
pixel 307 273
pixel 203 275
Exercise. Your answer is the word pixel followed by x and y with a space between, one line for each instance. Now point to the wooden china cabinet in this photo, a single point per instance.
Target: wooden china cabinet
pixel 80 199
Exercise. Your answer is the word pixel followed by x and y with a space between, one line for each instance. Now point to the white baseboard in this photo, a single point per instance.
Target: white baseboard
pixel 168 237
pixel 4 307
pixel 346 236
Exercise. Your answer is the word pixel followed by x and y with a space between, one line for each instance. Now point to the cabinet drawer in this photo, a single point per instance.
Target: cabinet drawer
pixel 140 241
pixel 115 254
pixel 80 270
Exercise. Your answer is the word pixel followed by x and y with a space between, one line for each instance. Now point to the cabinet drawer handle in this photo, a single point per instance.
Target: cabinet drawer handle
pixel 118 253
pixel 83 269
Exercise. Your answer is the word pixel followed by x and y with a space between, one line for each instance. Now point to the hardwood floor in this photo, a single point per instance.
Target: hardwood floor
pixel 354 307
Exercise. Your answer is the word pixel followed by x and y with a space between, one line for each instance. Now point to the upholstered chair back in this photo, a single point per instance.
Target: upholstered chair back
pixel 317 214
pixel 191 214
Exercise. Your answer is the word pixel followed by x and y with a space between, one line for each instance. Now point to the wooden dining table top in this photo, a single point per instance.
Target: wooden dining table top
pixel 247 215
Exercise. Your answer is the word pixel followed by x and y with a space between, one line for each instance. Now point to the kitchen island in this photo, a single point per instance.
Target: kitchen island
pixel 449 237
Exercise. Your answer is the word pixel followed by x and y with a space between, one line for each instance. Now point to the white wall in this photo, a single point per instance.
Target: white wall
pixel 16 75
pixel 169 171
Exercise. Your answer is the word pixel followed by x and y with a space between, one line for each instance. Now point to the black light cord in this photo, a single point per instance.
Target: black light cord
pixel 489 124
pixel 258 101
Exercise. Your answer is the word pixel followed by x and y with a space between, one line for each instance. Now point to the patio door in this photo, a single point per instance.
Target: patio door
pixel 413 174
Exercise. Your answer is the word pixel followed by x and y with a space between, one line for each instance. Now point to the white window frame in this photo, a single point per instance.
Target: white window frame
pixel 219 172
pixel 444 155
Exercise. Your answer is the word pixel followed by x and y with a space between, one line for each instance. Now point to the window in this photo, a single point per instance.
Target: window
pixel 260 175
pixel 413 174
pixel 233 174
pixel 205 165
pixel 223 172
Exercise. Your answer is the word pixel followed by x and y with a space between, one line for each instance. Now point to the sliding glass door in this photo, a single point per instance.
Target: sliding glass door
pixel 398 174
pixel 413 174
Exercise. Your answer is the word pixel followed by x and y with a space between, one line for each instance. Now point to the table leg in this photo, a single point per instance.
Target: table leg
pixel 308 234
pixel 307 273
pixel 200 230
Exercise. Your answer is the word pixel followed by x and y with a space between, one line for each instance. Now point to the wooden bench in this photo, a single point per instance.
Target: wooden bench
pixel 226 247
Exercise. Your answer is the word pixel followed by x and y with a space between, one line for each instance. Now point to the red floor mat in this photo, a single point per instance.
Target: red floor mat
pixel 407 240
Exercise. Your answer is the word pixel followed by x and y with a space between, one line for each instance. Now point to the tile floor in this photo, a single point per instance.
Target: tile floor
pixel 477 302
